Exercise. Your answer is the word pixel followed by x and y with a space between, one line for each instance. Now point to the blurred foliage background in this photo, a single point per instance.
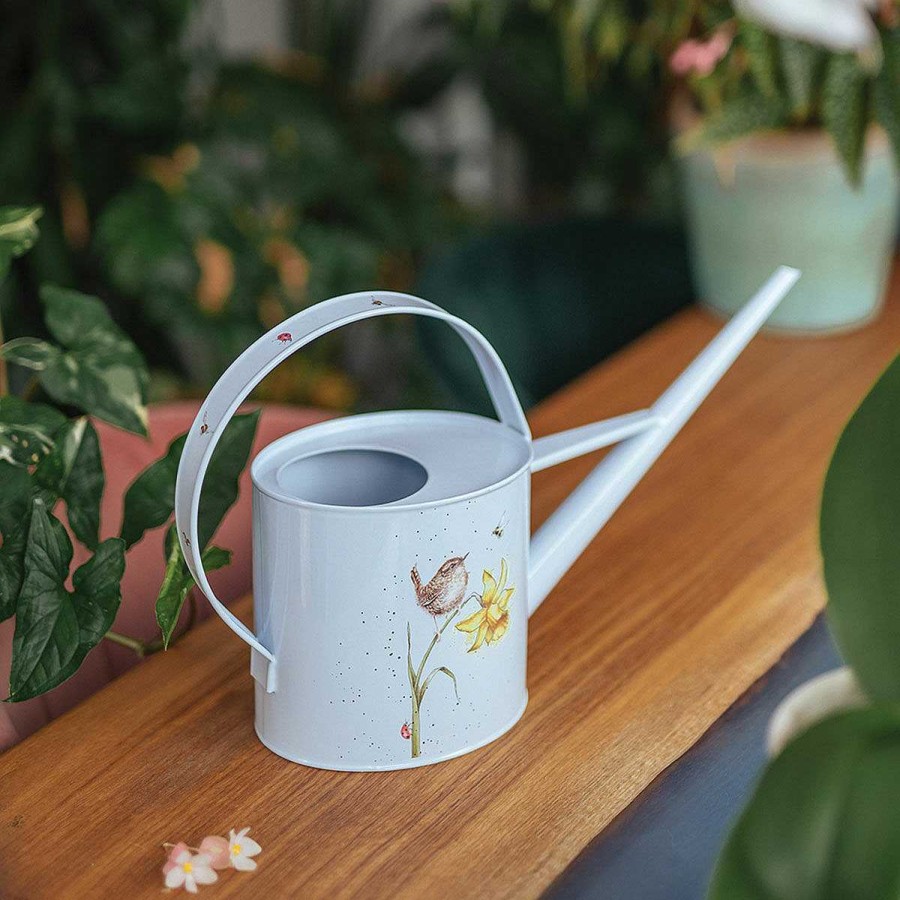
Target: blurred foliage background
pixel 206 197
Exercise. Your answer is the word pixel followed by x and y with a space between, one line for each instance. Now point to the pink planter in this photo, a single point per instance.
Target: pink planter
pixel 125 455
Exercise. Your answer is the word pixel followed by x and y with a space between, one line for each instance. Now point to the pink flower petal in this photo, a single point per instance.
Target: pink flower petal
pixel 172 859
pixel 682 60
pixel 216 848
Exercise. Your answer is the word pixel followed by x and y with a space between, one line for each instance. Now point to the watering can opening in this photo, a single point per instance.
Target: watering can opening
pixel 389 460
pixel 361 477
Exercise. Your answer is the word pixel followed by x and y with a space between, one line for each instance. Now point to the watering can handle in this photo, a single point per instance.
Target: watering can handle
pixel 245 373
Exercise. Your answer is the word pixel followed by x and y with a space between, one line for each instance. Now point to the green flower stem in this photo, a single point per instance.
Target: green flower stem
pixel 436 638
pixel 416 688
pixel 416 743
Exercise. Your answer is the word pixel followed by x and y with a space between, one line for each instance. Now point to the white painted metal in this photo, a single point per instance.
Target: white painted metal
pixel 563 537
pixel 565 445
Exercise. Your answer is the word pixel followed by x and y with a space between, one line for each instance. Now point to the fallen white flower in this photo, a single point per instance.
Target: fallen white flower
pixel 189 870
pixel 240 849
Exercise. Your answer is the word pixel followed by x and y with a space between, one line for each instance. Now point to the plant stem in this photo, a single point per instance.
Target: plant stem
pixel 124 640
pixel 416 746
pixel 415 678
pixel 4 376
pixel 437 636
pixel 146 648
pixel 31 388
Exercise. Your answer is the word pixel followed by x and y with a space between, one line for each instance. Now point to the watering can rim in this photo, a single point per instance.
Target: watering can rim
pixel 505 431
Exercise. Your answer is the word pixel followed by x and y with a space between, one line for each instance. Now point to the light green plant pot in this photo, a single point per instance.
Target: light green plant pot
pixel 783 198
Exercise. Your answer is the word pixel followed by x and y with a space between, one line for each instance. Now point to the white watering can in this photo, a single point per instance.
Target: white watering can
pixel 393 570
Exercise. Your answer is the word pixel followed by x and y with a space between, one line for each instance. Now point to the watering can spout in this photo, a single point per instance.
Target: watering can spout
pixel 643 436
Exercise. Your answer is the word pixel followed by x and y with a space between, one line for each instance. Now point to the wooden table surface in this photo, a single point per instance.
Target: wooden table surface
pixel 696 587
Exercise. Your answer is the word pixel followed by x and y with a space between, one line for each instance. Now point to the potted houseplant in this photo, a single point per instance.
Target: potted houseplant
pixel 52 480
pixel 824 820
pixel 786 120
pixel 786 151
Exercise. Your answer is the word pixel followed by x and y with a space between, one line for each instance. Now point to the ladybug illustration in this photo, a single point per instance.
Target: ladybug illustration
pixel 204 428
pixel 284 337
pixel 405 733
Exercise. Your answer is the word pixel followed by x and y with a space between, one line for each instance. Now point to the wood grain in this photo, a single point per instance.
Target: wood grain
pixel 697 586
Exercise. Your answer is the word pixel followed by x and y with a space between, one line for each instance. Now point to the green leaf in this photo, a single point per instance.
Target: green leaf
pixel 886 93
pixel 411 672
pixel 73 470
pixel 859 528
pixel 178 581
pixel 801 64
pixel 55 628
pixel 150 499
pixel 824 821
pixel 845 111
pixel 445 671
pixel 101 370
pixel 220 488
pixel 761 57
pixel 15 511
pixel 18 232
pixel 27 430
pixel 739 117
pixel 150 502
pixel 29 352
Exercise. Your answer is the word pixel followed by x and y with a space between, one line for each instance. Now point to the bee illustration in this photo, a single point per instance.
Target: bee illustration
pixel 405 733
pixel 186 539
pixel 284 338
pixel 377 302
pixel 498 528
pixel 204 427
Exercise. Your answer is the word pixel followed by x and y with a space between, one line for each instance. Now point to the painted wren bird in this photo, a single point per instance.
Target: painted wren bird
pixel 445 592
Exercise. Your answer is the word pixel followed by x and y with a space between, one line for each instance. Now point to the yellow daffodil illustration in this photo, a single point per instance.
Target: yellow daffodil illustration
pixel 445 594
pixel 491 622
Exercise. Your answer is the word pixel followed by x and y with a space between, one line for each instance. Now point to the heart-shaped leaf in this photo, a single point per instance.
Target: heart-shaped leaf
pixel 32 353
pixel 27 430
pixel 150 502
pixel 824 822
pixel 150 499
pixel 859 528
pixel 73 470
pixel 178 581
pixel 56 628
pixel 15 510
pixel 99 370
pixel 220 488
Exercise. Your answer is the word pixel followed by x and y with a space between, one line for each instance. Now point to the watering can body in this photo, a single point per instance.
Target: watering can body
pixel 393 566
